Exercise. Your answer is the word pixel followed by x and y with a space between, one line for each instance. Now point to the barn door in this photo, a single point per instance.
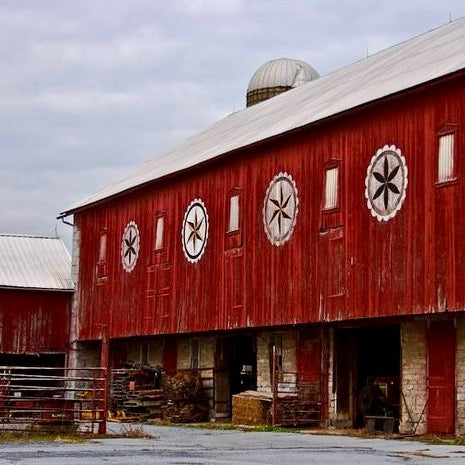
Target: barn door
pixel 441 377
pixel 222 393
pixel 309 357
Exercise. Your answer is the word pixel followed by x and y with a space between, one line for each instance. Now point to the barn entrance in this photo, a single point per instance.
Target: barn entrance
pixel 235 370
pixel 367 376
pixel 441 377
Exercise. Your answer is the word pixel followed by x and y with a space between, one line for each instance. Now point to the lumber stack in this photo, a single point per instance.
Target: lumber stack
pixel 184 398
pixel 134 395
pixel 251 408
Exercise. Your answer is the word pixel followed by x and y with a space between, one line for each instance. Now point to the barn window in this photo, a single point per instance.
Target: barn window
pixel 102 255
pixel 331 188
pixel 233 213
pixel 446 156
pixel 233 219
pixel 160 230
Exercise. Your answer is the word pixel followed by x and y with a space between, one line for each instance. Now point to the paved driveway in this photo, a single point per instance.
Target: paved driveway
pixel 200 446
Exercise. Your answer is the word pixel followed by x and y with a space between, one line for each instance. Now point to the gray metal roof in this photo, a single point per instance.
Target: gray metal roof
pixel 34 262
pixel 427 57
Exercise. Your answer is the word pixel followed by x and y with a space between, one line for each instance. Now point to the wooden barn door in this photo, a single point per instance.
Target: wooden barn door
pixel 441 377
pixel 309 357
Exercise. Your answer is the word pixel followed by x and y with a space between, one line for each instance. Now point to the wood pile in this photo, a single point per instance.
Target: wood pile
pixel 134 396
pixel 251 408
pixel 184 398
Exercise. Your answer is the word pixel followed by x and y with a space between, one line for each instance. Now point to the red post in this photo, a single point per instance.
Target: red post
pixel 102 427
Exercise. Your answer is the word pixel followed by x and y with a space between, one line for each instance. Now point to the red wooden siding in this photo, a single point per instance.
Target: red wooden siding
pixel 337 265
pixel 441 377
pixel 33 322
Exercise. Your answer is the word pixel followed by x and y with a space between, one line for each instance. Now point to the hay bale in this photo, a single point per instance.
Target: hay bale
pixel 251 408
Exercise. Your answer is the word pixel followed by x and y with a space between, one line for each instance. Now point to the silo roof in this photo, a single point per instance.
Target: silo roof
pixel 284 72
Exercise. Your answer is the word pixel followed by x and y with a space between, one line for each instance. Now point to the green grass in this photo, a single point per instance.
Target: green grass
pixel 26 436
pixel 443 440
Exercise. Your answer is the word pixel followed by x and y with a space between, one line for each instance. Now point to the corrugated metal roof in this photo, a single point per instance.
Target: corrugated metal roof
pixel 34 262
pixel 430 56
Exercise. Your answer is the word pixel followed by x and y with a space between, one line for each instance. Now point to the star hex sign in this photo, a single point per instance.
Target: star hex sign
pixel 280 212
pixel 130 244
pixel 194 232
pixel 280 208
pixel 386 183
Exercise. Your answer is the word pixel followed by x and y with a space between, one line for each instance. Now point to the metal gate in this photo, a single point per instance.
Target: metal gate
pixel 52 399
pixel 295 402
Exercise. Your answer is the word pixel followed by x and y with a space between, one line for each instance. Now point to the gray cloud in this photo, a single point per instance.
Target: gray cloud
pixel 90 90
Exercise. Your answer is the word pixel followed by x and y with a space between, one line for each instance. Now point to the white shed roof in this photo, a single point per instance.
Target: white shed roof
pixel 427 57
pixel 34 262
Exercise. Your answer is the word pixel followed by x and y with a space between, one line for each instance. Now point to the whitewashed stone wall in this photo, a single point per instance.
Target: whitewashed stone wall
pixel 264 363
pixel 460 376
pixel 414 376
pixel 332 397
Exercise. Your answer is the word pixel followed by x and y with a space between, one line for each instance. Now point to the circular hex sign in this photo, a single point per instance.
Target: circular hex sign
pixel 195 231
pixel 130 245
pixel 280 209
pixel 386 183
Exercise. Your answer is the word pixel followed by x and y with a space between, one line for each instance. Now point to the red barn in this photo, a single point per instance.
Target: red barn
pixel 35 300
pixel 325 221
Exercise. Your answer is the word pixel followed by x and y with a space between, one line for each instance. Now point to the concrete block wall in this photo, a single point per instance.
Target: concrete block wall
pixel 413 376
pixel 460 376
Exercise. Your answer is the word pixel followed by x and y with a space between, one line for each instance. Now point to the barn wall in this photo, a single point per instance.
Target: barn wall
pixel 33 321
pixel 413 376
pixel 343 266
pixel 460 376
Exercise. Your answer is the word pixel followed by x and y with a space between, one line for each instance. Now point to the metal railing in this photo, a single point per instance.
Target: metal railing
pixel 52 399
pixel 294 401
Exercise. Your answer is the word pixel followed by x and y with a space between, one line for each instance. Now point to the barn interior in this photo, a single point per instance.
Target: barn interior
pixel 367 375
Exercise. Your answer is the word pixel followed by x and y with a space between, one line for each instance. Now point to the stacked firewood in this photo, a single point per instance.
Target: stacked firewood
pixel 184 398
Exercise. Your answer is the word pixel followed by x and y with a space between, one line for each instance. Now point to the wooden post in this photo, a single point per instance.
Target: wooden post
pixel 102 427
pixel 274 381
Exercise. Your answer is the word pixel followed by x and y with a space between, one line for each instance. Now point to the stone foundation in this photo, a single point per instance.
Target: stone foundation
pixel 460 376
pixel 414 377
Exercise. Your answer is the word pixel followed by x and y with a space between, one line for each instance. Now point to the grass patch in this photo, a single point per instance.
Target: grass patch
pixel 443 440
pixel 25 436
pixel 272 429
pixel 126 431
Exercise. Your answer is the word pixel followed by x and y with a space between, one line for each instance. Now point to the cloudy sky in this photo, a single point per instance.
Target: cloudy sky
pixel 91 89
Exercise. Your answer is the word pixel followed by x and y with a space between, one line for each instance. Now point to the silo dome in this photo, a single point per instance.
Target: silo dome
pixel 277 76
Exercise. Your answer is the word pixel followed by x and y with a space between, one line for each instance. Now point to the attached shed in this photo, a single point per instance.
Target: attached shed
pixel 35 300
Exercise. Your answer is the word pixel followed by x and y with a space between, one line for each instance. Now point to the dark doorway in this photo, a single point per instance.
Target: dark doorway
pixel 368 373
pixel 235 369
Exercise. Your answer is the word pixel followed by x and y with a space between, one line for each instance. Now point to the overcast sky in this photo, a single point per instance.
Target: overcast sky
pixel 92 89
